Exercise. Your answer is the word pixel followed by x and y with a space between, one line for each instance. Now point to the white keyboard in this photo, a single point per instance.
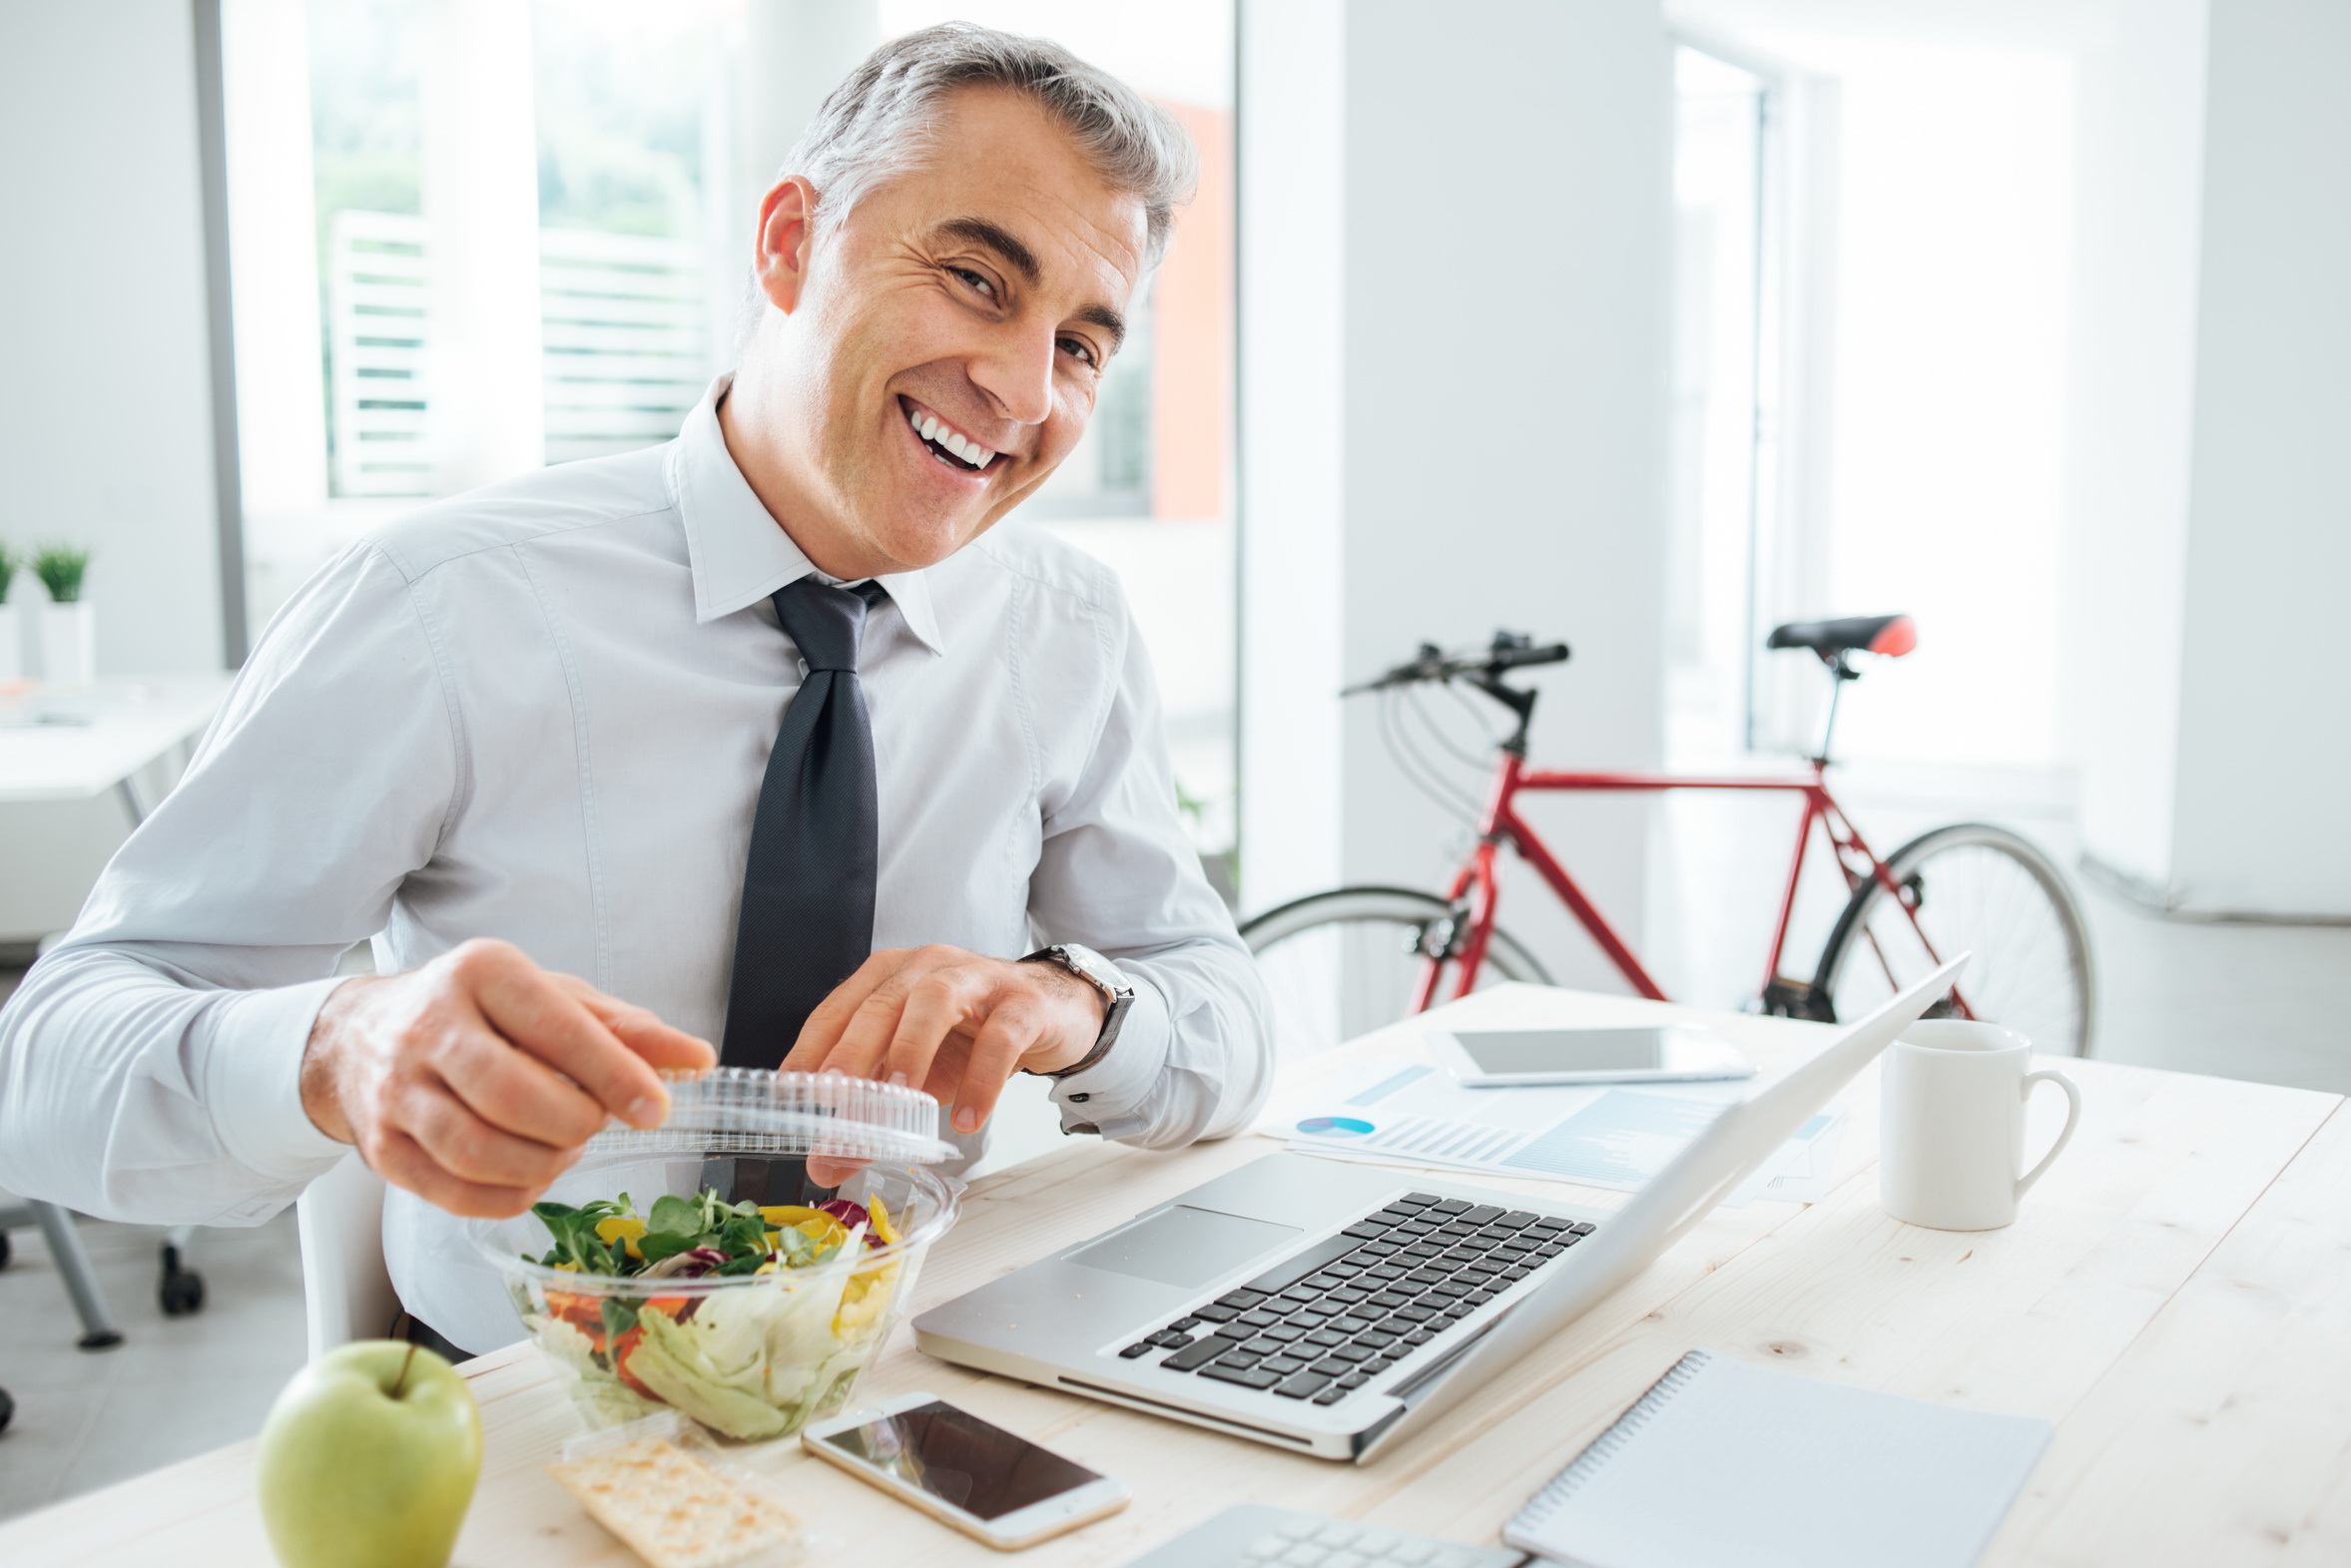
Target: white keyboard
pixel 1251 1536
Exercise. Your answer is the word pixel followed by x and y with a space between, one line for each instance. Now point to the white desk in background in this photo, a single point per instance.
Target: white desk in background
pixel 63 743
pixel 75 743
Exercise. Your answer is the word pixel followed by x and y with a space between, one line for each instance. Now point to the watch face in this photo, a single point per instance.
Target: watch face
pixel 1097 968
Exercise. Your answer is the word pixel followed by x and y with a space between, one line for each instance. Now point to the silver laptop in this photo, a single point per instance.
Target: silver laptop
pixel 1328 1308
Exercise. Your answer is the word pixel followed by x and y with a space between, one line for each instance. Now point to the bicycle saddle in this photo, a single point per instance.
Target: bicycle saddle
pixel 1892 635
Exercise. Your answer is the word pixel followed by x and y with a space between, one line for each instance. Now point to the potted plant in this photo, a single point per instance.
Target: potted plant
pixel 12 652
pixel 69 634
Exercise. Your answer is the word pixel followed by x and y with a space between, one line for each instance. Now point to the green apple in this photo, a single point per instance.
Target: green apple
pixel 369 1459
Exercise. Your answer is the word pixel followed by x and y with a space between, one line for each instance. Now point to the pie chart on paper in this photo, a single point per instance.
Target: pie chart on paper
pixel 1334 1127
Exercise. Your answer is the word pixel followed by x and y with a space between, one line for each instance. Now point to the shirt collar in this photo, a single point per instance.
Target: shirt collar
pixel 738 552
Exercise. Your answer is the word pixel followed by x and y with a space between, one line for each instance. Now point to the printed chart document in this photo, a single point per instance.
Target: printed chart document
pixel 1402 1109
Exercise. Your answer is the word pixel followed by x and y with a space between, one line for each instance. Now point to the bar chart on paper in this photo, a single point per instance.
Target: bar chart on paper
pixel 1402 1110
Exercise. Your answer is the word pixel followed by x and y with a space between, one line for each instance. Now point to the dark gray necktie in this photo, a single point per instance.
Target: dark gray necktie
pixel 808 890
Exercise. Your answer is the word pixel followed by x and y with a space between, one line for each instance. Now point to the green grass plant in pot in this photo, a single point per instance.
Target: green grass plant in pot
pixel 69 629
pixel 11 635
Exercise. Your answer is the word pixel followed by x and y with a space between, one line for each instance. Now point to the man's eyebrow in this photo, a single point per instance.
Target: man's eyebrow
pixel 978 231
pixel 1108 320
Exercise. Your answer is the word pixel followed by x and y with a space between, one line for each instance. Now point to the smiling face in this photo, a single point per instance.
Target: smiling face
pixel 931 358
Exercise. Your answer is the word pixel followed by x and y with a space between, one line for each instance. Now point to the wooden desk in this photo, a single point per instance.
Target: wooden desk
pixel 2176 1297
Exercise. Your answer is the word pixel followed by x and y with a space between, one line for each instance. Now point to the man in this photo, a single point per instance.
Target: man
pixel 551 745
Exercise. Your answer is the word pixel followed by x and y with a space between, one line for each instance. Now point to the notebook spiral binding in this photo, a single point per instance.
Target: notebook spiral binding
pixel 1605 1446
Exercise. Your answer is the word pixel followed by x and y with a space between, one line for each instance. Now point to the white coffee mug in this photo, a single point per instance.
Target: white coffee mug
pixel 1952 1133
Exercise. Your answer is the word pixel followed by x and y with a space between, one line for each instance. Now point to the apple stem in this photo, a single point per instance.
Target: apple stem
pixel 401 1382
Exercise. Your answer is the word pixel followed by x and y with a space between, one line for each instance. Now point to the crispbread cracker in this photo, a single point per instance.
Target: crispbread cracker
pixel 670 1509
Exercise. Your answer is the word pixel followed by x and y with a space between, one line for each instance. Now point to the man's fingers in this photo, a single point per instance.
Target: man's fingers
pixel 523 1003
pixel 942 1004
pixel 517 1093
pixel 663 1046
pixel 471 1148
pixel 813 1051
pixel 831 1173
pixel 401 1161
pixel 1003 1040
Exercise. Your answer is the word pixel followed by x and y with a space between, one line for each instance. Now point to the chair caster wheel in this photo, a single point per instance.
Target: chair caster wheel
pixel 3 1249
pixel 181 1291
pixel 104 1339
pixel 7 1409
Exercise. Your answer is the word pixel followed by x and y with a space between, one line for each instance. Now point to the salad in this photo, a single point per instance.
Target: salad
pixel 751 1361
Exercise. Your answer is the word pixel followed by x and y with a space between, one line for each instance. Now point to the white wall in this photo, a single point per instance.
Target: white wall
pixel 105 381
pixel 2265 698
pixel 1474 440
pixel 105 401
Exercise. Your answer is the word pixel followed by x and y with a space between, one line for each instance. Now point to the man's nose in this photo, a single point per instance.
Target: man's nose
pixel 1015 370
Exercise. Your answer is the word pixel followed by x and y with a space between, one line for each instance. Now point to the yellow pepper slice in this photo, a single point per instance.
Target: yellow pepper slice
pixel 621 1229
pixel 881 1225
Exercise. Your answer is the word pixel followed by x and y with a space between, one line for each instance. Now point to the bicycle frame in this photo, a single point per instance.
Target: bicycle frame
pixel 1479 883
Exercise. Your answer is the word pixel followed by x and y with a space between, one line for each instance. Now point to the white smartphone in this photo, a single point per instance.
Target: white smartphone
pixel 992 1484
pixel 1670 1053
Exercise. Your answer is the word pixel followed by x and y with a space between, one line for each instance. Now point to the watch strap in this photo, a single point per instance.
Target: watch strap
pixel 1117 1000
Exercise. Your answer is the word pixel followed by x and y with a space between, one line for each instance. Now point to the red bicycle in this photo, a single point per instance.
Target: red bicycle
pixel 1341 962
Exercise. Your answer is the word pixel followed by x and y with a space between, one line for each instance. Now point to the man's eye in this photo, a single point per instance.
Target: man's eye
pixel 1081 349
pixel 975 280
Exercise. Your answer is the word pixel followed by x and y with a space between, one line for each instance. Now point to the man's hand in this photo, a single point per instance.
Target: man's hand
pixel 953 1023
pixel 474 1081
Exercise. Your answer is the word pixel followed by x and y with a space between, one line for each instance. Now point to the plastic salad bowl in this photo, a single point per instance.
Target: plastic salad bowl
pixel 778 1340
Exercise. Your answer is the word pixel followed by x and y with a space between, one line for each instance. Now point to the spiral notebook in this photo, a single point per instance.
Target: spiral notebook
pixel 1726 1465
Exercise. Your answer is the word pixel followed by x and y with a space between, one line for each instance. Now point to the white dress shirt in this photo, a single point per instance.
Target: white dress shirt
pixel 541 711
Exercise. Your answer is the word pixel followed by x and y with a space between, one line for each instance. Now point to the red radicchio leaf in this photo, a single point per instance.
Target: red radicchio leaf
pixel 853 1215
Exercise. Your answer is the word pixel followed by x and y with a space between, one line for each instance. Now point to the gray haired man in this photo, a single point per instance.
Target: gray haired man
pixel 771 731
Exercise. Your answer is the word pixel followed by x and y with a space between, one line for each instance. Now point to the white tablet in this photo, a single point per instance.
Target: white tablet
pixel 1670 1053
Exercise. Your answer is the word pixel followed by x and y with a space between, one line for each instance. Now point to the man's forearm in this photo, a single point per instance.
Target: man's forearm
pixel 129 1094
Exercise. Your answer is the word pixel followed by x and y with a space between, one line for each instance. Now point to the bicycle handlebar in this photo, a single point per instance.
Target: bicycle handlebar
pixel 1508 651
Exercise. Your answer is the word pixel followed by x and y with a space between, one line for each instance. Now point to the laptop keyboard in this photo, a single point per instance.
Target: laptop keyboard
pixel 1328 1319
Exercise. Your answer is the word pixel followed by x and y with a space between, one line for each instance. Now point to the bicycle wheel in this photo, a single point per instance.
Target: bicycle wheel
pixel 1970 887
pixel 1342 963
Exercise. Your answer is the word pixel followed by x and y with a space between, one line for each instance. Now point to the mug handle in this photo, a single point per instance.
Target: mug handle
pixel 2073 1118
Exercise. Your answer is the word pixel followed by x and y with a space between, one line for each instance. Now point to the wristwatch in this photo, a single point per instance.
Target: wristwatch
pixel 1099 972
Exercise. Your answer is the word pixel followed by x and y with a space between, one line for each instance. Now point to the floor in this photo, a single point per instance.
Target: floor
pixel 173 1387
pixel 2265 1004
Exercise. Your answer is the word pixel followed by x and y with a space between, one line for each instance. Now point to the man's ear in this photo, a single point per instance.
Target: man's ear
pixel 787 225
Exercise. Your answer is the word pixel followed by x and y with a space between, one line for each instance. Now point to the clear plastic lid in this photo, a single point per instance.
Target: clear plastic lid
pixel 750 1110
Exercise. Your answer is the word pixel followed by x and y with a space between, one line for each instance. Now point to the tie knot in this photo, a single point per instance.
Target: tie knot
pixel 826 623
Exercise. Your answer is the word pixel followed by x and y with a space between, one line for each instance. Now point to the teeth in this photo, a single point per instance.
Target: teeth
pixel 931 428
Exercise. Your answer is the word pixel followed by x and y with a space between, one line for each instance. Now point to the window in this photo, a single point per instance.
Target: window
pixel 474 237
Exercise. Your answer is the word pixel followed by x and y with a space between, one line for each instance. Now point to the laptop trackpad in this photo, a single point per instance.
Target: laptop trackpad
pixel 1184 1247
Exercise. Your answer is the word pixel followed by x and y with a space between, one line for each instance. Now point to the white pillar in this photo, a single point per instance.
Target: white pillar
pixel 483 377
pixel 795 52
pixel 273 272
pixel 1453 360
pixel 2211 523
pixel 2265 694
pixel 1291 150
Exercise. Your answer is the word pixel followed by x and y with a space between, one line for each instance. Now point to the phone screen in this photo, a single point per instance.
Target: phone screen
pixel 1563 1050
pixel 961 1460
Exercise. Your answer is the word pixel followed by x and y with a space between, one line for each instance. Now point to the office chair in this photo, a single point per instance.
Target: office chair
pixel 347 1291
pixel 179 1291
pixel 72 1264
